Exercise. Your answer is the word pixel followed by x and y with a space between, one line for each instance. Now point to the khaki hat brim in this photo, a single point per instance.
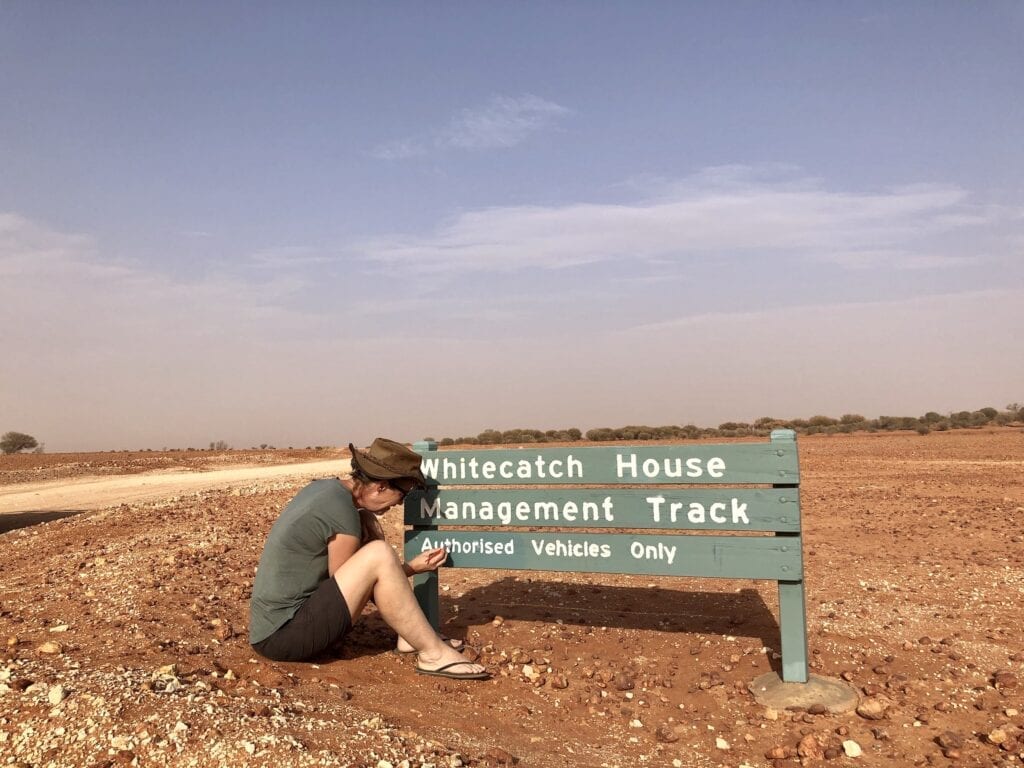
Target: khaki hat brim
pixel 377 471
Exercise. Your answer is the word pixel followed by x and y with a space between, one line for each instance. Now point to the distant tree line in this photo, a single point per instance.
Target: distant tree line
pixel 847 423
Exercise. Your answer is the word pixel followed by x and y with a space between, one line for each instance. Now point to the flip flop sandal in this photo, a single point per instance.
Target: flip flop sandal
pixel 454 642
pixel 443 672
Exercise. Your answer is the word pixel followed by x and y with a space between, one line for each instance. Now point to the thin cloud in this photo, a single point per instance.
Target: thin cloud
pixel 897 259
pixel 398 150
pixel 45 269
pixel 716 212
pixel 288 257
pixel 503 122
pixel 790 313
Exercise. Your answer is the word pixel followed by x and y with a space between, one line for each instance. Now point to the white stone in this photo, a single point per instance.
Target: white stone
pixel 120 742
pixel 852 748
pixel 56 695
pixel 721 743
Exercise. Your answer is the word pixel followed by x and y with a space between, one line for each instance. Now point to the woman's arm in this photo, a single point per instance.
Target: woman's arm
pixel 339 549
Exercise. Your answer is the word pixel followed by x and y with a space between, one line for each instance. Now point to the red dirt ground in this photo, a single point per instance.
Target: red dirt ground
pixel 123 635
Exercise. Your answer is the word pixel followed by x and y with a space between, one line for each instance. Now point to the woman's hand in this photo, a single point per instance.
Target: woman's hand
pixel 427 561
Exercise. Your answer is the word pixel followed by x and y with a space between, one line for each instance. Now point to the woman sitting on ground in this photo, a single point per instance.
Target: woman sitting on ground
pixel 326 557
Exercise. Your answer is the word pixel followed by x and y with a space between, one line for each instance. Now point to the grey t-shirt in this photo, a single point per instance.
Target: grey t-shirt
pixel 294 559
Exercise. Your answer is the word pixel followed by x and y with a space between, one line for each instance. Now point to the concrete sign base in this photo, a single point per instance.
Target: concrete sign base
pixel 834 695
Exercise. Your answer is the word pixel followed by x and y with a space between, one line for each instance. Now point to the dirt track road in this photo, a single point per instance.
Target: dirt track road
pixel 87 493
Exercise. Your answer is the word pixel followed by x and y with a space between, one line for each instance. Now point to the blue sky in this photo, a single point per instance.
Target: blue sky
pixel 317 222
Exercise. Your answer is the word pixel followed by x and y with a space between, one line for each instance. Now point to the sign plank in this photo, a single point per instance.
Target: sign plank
pixel 735 557
pixel 730 463
pixel 741 509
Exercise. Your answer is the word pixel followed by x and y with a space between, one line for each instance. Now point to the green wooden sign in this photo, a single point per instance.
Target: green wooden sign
pixel 736 557
pixel 562 501
pixel 741 509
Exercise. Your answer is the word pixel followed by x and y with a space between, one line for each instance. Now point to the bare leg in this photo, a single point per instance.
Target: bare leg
pixel 375 569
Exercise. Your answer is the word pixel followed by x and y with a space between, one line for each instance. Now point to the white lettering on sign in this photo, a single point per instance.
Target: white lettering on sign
pixel 507 513
pixel 479 546
pixel 659 551
pixel 570 548
pixel 698 514
pixel 537 468
pixel 628 466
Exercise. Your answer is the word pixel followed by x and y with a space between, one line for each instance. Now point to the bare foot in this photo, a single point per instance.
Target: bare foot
pixel 404 647
pixel 450 661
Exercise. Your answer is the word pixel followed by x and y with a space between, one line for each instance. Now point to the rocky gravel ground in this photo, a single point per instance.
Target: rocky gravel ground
pixel 122 639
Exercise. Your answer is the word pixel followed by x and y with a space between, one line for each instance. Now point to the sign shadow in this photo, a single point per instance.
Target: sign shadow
pixel 592 605
pixel 743 613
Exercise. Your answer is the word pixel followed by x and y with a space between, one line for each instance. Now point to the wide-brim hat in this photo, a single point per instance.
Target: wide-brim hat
pixel 387 460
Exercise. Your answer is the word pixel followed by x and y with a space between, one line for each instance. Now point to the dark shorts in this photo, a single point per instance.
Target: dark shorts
pixel 321 621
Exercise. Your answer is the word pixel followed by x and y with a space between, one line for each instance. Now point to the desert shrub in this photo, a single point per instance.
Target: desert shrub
pixel 16 442
pixel 851 418
pixel 732 426
pixel 821 421
pixel 897 422
pixel 489 437
pixel 923 429
pixel 960 419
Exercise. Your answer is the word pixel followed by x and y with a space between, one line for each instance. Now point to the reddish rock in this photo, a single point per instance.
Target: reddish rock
pixel 1004 678
pixel 950 740
pixel 499 756
pixel 666 733
pixel 809 748
pixel 623 682
pixel 559 682
pixel 873 708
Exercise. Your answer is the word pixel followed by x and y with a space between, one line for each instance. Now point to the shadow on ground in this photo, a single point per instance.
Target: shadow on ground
pixel 12 522
pixel 655 609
